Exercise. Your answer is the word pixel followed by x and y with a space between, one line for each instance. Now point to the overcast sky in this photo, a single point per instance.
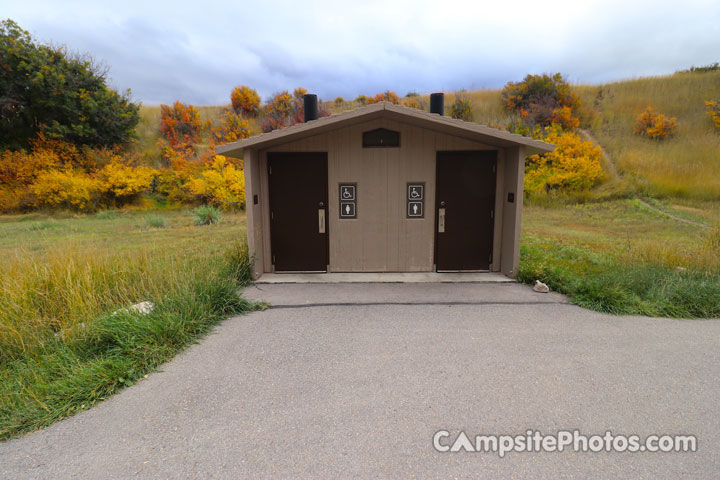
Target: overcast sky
pixel 197 51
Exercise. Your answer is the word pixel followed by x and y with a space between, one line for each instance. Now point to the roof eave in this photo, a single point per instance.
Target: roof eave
pixel 482 133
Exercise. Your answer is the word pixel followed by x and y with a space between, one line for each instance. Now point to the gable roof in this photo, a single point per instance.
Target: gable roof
pixel 421 118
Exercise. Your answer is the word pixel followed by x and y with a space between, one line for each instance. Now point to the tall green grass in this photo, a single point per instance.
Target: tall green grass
pixel 62 349
pixel 632 283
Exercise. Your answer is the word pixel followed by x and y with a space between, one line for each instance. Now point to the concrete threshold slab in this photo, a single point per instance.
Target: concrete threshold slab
pixel 415 277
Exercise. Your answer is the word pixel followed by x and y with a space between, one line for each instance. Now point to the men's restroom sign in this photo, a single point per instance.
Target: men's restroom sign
pixel 416 200
pixel 348 200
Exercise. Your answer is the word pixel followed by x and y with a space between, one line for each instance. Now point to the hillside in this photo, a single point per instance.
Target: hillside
pixel 687 165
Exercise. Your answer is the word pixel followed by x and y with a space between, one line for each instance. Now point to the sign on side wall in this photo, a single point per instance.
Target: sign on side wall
pixel 416 200
pixel 348 200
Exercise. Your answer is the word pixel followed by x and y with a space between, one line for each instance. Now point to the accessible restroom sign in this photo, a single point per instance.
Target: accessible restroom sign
pixel 416 200
pixel 348 200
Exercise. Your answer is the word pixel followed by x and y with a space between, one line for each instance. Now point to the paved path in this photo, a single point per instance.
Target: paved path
pixel 317 387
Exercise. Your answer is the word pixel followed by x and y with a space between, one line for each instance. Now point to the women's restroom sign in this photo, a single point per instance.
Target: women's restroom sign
pixel 416 200
pixel 348 200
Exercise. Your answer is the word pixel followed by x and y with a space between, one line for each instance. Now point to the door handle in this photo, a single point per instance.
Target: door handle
pixel 441 220
pixel 321 220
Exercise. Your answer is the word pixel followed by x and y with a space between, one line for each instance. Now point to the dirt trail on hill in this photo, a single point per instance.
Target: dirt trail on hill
pixel 615 173
pixel 608 161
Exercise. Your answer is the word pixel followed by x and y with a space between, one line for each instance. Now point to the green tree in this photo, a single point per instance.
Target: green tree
pixel 45 90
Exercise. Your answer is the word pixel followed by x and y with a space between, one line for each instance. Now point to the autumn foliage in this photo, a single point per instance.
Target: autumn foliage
pixel 245 101
pixel 461 108
pixel 542 100
pixel 654 125
pixel 713 109
pixel 180 125
pixel 386 96
pixel 284 110
pixel 573 166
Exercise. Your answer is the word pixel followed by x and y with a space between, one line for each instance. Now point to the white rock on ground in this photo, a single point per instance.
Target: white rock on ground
pixel 541 287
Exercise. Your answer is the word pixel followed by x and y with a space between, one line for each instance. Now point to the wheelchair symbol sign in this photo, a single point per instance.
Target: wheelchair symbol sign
pixel 416 192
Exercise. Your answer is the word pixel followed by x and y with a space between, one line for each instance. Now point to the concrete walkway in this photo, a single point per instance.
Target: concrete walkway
pixel 338 381
pixel 416 277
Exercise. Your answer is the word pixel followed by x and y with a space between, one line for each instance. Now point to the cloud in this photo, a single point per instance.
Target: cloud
pixel 198 52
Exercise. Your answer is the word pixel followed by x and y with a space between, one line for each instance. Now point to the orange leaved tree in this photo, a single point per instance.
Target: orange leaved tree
pixel 245 101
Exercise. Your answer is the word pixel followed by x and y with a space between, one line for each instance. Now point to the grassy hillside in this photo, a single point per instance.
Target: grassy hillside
pixel 687 165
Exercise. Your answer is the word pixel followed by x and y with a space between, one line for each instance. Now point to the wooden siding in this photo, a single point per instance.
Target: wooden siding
pixel 381 239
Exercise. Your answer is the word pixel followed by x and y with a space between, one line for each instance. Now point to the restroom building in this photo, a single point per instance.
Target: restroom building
pixel 384 188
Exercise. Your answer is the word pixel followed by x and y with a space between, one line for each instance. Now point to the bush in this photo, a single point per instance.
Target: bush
pixel 655 125
pixel 461 108
pixel 339 101
pixel 386 96
pixel 542 100
pixel 43 89
pixel 361 99
pixel 106 215
pixel 284 110
pixel 123 183
pixel 231 129
pixel 245 101
pixel 573 166
pixel 180 125
pixel 156 221
pixel 66 189
pixel 207 215
pixel 222 185
pixel 713 109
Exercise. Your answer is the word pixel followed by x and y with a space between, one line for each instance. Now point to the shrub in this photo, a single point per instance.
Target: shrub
pixel 386 96
pixel 339 101
pixel 245 101
pixel 207 215
pixel 44 89
pixel 655 125
pixel 299 92
pixel 180 125
pixel 713 109
pixel 123 183
pixel 231 129
pixel 106 215
pixel 156 221
pixel 415 102
pixel 222 185
pixel 573 166
pixel 542 100
pixel 461 108
pixel 66 189
pixel 283 111
pixel 361 99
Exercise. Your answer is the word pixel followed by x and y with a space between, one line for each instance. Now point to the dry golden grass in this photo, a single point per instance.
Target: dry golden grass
pixel 687 165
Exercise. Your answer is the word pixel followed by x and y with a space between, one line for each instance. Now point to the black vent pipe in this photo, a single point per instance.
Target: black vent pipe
pixel 311 106
pixel 437 103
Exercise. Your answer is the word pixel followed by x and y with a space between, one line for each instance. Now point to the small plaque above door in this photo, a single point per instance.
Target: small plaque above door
pixel 348 200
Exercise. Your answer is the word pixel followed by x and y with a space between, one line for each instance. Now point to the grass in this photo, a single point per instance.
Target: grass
pixel 686 165
pixel 207 215
pixel 156 221
pixel 61 348
pixel 621 257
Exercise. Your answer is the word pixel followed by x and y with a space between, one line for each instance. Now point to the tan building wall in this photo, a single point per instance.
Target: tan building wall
pixel 382 239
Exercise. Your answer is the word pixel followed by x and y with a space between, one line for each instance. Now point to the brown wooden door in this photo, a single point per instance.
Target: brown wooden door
pixel 466 192
pixel 298 204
